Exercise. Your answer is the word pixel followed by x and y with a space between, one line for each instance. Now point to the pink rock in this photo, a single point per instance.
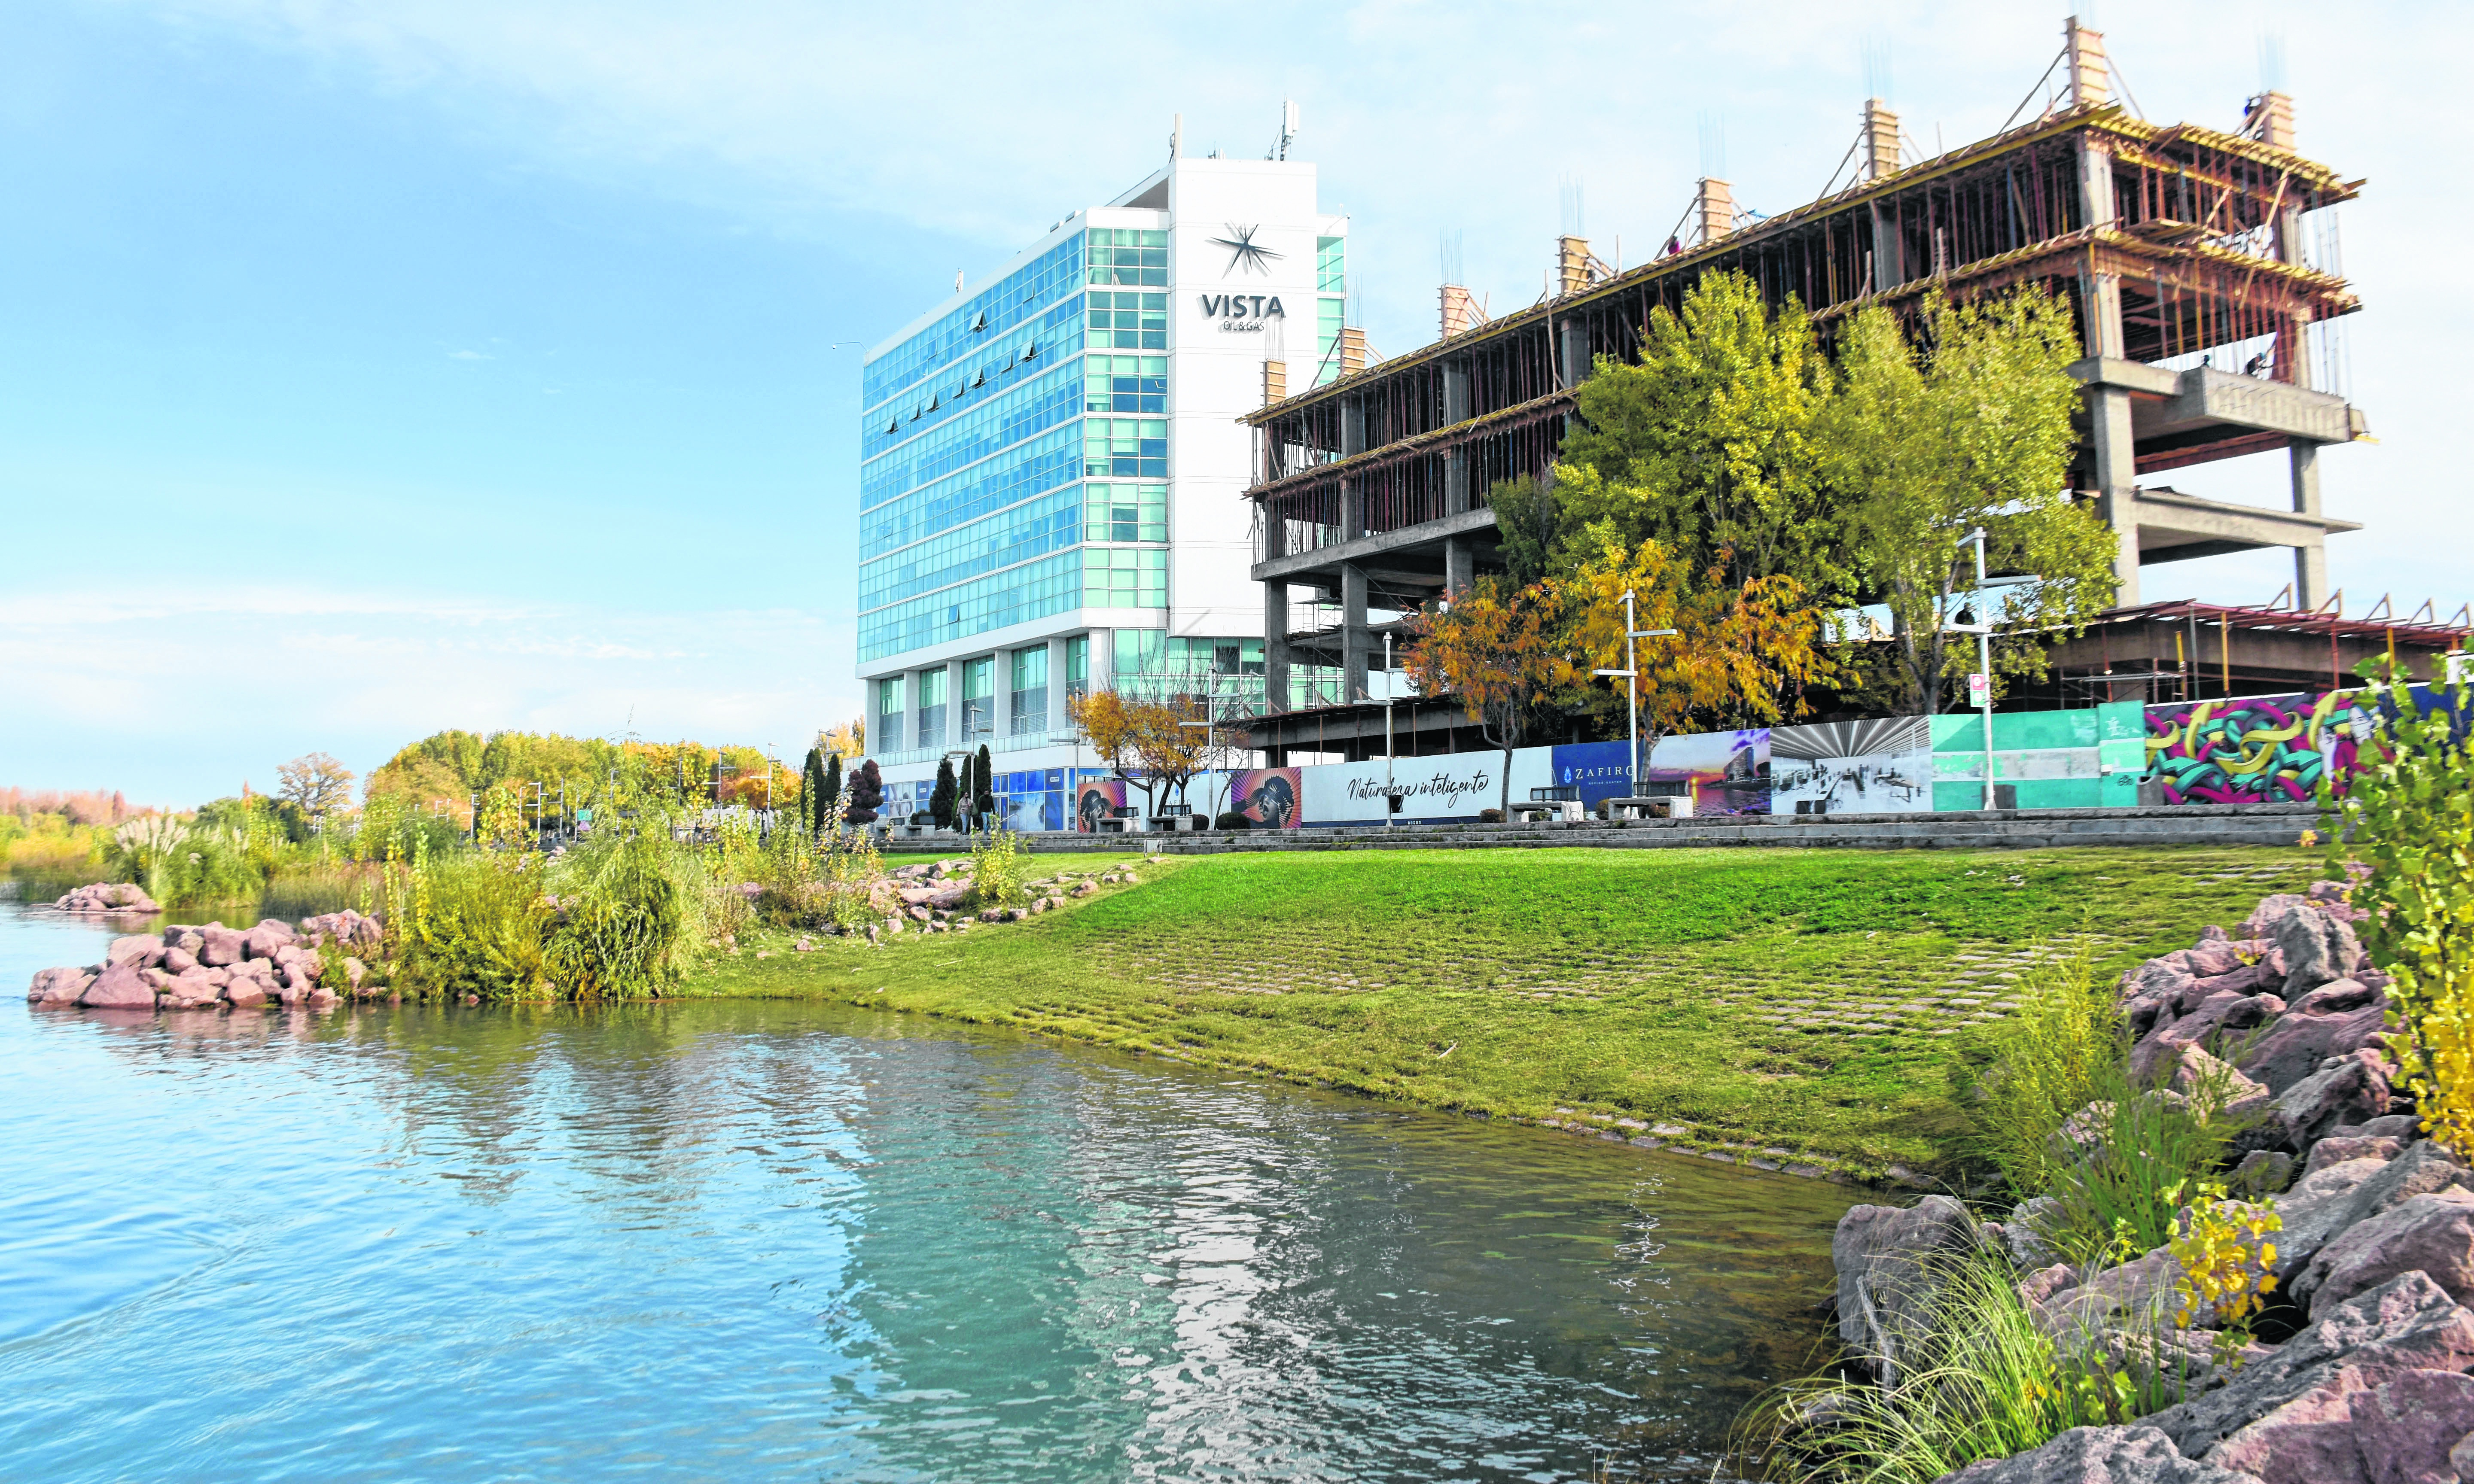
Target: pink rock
pixel 2409 1429
pixel 2336 999
pixel 120 988
pixel 246 993
pixel 263 940
pixel 143 949
pixel 220 945
pixel 58 985
pixel 180 961
pixel 2337 1150
pixel 322 999
pixel 2291 1049
pixel 2309 1439
pixel 2209 959
pixel 160 982
pixel 355 972
pixel 2261 921
pixel 2431 1233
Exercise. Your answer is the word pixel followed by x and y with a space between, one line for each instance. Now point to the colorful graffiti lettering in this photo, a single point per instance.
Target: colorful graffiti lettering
pixel 2254 748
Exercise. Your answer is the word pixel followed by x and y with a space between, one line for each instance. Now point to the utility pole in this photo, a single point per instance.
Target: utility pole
pixel 1631 675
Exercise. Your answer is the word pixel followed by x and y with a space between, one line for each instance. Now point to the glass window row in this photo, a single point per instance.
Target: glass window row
pixel 973 389
pixel 1125 383
pixel 1125 512
pixel 1125 447
pixel 1016 296
pixel 1045 588
pixel 1022 472
pixel 1001 541
pixel 1331 264
pixel 1121 320
pixel 975 435
pixel 1127 255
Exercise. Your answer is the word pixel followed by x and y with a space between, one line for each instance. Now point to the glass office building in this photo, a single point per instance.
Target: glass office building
pixel 1051 472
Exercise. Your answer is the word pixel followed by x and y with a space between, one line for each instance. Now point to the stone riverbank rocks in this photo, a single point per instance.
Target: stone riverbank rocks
pixel 2376 1249
pixel 213 966
pixel 109 898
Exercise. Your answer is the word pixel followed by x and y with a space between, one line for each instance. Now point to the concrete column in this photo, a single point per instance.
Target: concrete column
pixel 1888 269
pixel 1572 345
pixel 1353 426
pixel 2097 206
pixel 1356 644
pixel 2310 562
pixel 953 710
pixel 1459 566
pixel 1103 658
pixel 1456 481
pixel 2116 484
pixel 1456 393
pixel 1275 647
pixel 1058 720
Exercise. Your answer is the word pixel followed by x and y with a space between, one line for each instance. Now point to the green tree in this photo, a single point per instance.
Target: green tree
pixel 829 789
pixel 940 799
pixel 984 786
pixel 1967 426
pixel 1708 446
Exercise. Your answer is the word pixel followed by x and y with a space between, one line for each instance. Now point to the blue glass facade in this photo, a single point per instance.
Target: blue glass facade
pixel 978 430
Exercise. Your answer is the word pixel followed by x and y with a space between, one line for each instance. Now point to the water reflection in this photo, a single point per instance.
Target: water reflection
pixel 766 1240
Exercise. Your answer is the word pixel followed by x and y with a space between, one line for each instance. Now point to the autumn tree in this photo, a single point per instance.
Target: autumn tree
pixel 316 784
pixel 1114 726
pixel 1967 425
pixel 1739 652
pixel 1499 650
pixel 847 740
pixel 1171 752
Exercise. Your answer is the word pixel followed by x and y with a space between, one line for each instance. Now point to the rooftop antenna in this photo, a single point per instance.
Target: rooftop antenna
pixel 1714 146
pixel 1879 82
pixel 1288 129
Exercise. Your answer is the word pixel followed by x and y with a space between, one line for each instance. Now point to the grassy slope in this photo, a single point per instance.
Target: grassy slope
pixel 1780 998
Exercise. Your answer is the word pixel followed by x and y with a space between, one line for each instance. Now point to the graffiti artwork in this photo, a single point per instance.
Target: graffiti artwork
pixel 1270 798
pixel 2253 749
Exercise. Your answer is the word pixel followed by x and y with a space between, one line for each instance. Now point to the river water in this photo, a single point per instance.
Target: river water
pixel 767 1240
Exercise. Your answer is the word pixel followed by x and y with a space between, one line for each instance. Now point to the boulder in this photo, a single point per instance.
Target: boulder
pixel 160 982
pixel 188 939
pixel 143 949
pixel 220 945
pixel 180 960
pixel 2405 1125
pixel 2319 1206
pixel 2262 1172
pixel 2337 1149
pixel 2271 909
pixel 2431 1233
pixel 2196 1071
pixel 2407 1323
pixel 1087 888
pixel 2101 1455
pixel 2125 1295
pixel 323 1000
pixel 2336 998
pixel 2211 957
pixel 265 939
pixel 2247 979
pixel 2359 1425
pixel 2354 1089
pixel 2294 1048
pixel 119 988
pixel 2316 947
pixel 58 985
pixel 1885 1257
pixel 200 984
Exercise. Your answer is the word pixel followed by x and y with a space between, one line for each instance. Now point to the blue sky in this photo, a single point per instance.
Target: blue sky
pixel 372 368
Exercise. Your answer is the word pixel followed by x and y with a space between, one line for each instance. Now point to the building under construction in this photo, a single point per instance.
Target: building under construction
pixel 2203 285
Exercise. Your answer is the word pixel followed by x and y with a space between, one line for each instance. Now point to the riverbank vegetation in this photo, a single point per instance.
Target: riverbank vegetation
pixel 1801 1007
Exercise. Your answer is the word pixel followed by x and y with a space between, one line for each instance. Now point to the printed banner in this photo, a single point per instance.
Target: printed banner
pixel 1868 767
pixel 1441 789
pixel 1599 770
pixel 1270 798
pixel 1095 800
pixel 1726 772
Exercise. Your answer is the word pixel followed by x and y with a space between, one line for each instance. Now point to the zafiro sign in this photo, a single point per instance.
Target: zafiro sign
pixel 1242 312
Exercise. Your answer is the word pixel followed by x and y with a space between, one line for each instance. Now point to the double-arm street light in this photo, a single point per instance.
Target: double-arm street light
pixel 1631 676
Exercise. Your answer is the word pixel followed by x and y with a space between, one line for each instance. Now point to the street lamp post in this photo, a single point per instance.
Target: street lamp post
pixel 1980 684
pixel 1630 676
pixel 1390 806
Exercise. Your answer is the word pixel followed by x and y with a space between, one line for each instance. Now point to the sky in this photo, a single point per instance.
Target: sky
pixel 373 369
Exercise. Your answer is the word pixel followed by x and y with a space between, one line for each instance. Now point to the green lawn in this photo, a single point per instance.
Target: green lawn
pixel 1803 1002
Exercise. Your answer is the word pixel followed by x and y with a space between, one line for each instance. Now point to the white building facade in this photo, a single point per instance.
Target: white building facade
pixel 1051 474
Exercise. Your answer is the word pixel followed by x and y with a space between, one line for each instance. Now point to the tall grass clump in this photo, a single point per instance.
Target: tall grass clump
pixel 2138 1158
pixel 2050 1058
pixel 998 867
pixel 620 932
pixel 1978 1379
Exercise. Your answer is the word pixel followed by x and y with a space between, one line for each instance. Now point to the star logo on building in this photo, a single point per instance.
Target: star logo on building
pixel 1244 250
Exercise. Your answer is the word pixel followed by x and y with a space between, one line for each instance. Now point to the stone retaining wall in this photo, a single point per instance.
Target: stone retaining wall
pixel 1978 829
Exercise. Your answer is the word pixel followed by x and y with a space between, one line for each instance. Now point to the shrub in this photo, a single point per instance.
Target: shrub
pixel 1490 816
pixel 2048 1061
pixel 2140 1158
pixel 623 927
pixel 481 929
pixel 2408 816
pixel 1230 818
pixel 998 867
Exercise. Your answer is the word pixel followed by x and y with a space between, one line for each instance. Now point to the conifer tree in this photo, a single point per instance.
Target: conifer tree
pixel 940 800
pixel 812 795
pixel 831 787
pixel 866 791
pixel 984 798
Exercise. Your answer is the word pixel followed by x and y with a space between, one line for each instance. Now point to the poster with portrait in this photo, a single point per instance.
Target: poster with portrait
pixel 1095 800
pixel 1268 798
pixel 1868 767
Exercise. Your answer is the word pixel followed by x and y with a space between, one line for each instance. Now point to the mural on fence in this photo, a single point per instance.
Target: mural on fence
pixel 1095 800
pixel 1726 772
pixel 1270 798
pixel 1869 766
pixel 2252 748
